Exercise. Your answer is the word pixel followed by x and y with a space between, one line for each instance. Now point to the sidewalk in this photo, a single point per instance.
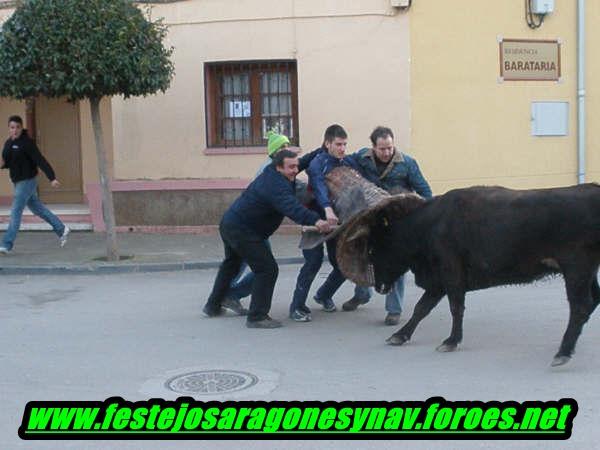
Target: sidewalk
pixel 39 253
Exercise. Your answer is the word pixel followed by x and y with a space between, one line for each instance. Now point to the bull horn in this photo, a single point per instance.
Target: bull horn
pixel 360 231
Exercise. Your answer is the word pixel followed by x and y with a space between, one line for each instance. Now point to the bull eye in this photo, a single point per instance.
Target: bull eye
pixel 385 222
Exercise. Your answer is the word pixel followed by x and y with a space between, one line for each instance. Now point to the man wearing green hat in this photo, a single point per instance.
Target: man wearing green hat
pixel 241 286
pixel 276 142
pixel 245 227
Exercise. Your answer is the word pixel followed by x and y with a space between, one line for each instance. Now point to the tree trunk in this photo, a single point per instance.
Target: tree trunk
pixel 108 210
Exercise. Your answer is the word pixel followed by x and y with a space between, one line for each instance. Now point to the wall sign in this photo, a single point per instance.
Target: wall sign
pixel 529 60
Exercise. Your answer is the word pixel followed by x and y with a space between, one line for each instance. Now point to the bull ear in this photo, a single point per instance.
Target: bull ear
pixel 361 231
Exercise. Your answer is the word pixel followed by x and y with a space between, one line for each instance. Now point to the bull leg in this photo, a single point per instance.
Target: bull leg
pixel 580 289
pixel 456 298
pixel 426 303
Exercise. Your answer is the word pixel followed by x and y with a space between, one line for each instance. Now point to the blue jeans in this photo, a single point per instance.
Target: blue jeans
pixel 393 301
pixel 313 259
pixel 26 195
pixel 241 286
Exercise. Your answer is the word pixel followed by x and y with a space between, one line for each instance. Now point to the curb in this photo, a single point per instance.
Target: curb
pixel 110 269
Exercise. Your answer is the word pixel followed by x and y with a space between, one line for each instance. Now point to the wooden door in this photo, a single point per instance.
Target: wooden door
pixel 58 137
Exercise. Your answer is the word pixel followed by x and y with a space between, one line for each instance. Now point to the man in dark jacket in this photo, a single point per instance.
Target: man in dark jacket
pixel 242 284
pixel 22 158
pixel 394 171
pixel 245 226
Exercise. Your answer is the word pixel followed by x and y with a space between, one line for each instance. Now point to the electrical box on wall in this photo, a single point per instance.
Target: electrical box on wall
pixel 542 6
pixel 549 118
pixel 400 3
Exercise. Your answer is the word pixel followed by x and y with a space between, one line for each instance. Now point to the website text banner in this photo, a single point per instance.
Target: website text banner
pixel 187 418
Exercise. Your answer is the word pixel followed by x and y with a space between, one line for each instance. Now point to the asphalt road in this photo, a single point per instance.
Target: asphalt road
pixel 93 337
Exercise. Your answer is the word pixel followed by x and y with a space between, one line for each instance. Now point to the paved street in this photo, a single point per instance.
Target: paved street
pixel 92 337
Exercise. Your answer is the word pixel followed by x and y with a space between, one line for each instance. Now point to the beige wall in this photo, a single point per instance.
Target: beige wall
pixel 430 73
pixel 467 128
pixel 352 68
pixel 89 161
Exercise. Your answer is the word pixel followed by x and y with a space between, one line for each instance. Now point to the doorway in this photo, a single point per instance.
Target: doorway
pixel 58 137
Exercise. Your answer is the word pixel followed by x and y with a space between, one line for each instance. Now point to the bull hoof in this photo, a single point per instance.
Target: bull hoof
pixel 444 348
pixel 560 360
pixel 397 339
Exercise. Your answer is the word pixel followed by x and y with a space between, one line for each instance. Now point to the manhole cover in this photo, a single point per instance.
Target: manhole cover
pixel 209 382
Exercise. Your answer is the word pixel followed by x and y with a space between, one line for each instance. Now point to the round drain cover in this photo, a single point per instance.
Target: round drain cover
pixel 210 382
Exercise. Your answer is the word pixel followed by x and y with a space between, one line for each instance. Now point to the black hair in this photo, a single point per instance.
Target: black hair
pixel 281 155
pixel 380 132
pixel 334 131
pixel 16 119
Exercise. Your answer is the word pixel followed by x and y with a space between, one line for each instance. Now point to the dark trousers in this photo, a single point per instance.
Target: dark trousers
pixel 313 259
pixel 240 245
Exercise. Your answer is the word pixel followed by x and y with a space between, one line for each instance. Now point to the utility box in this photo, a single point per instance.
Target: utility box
pixel 400 3
pixel 542 6
pixel 549 118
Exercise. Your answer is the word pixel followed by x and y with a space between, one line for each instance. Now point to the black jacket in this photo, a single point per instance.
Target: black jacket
pixel 22 158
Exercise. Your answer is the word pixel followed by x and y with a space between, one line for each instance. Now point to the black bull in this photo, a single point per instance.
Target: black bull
pixel 476 238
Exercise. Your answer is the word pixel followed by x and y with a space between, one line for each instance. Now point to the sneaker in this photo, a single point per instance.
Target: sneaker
pixel 305 309
pixel 63 239
pixel 392 319
pixel 4 251
pixel 299 316
pixel 265 323
pixel 209 311
pixel 327 304
pixel 353 303
pixel 234 305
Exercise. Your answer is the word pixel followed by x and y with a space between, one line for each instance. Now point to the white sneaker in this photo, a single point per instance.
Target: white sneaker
pixel 4 251
pixel 63 239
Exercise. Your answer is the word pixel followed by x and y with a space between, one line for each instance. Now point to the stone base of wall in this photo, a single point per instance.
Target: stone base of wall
pixel 170 206
pixel 154 205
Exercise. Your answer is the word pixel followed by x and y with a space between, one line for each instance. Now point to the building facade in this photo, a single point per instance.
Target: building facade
pixel 431 72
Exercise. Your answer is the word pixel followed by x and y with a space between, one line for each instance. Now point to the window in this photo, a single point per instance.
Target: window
pixel 247 99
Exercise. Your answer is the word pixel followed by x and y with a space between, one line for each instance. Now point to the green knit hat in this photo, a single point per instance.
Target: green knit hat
pixel 276 141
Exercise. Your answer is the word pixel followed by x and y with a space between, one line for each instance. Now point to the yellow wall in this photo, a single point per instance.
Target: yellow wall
pixel 467 128
pixel 352 59
pixel 592 91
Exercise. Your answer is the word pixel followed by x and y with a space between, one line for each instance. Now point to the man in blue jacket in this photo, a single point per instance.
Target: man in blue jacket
pixel 330 156
pixel 245 227
pixel 394 171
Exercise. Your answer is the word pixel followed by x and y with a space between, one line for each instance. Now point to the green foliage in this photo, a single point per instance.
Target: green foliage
pixel 82 49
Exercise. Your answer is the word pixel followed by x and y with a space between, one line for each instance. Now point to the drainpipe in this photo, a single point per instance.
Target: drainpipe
pixel 581 91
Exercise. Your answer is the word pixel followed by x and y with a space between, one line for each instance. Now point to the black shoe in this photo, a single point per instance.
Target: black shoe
pixel 234 305
pixel 392 319
pixel 353 303
pixel 212 312
pixel 265 323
